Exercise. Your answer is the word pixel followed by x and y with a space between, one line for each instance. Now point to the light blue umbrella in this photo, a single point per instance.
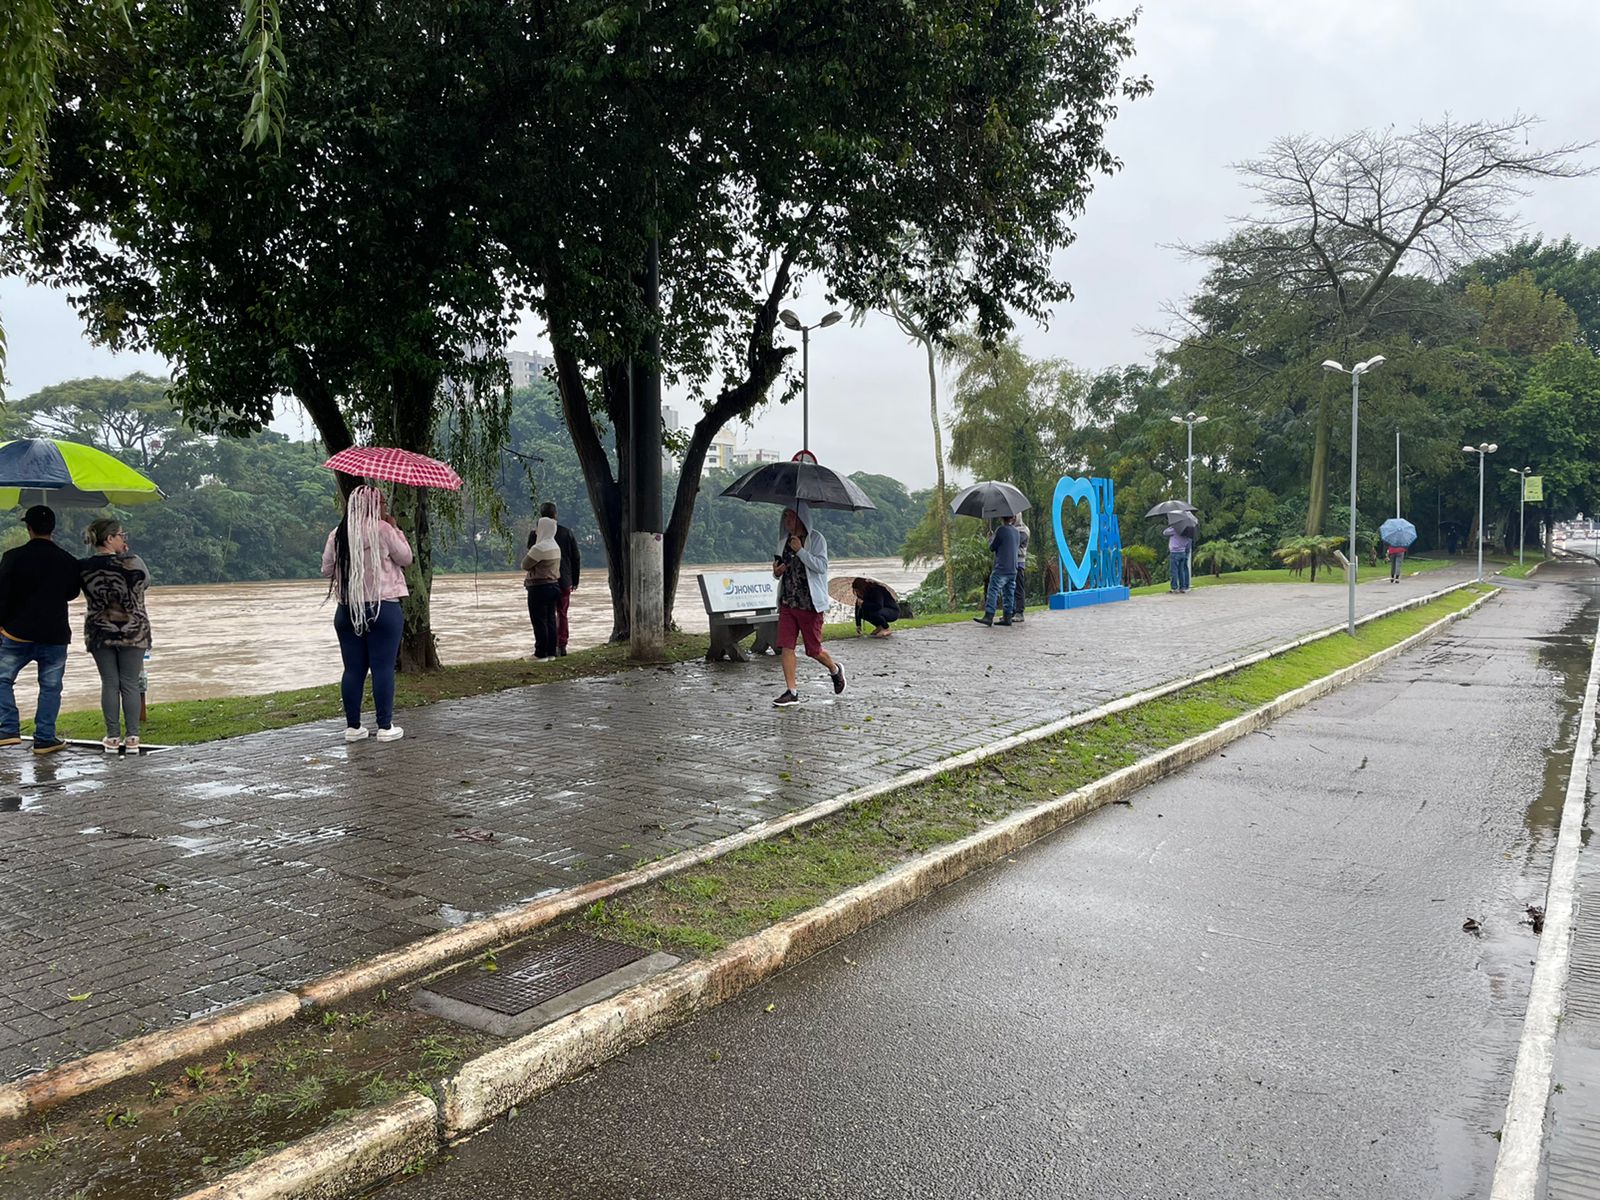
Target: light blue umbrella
pixel 1397 531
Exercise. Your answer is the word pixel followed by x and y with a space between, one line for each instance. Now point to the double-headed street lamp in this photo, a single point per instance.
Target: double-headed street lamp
pixel 1355 373
pixel 788 317
pixel 1522 508
pixel 1482 450
pixel 1191 421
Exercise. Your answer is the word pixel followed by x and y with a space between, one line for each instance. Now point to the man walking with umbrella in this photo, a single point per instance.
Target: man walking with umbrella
pixel 1398 533
pixel 801 566
pixel 37 579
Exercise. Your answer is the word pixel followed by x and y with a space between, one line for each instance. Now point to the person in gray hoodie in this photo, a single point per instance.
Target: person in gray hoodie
pixel 801 568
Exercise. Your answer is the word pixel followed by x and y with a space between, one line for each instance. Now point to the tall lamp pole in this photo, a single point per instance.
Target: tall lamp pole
pixel 1482 450
pixel 1397 471
pixel 1355 373
pixel 1191 421
pixel 1522 509
pixel 788 317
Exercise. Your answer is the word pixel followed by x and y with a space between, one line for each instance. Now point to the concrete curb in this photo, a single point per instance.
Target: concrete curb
pixel 340 1161
pixel 491 1084
pixel 37 1093
pixel 1516 1167
pixel 349 1156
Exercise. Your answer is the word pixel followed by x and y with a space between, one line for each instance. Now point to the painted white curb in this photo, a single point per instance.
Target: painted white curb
pixel 343 1160
pixel 347 1156
pixel 37 1093
pixel 1516 1169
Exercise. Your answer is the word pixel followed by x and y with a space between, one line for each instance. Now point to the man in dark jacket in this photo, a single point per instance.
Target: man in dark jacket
pixel 37 579
pixel 570 562
pixel 1003 579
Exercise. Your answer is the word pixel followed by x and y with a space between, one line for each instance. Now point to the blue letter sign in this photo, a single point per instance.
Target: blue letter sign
pixel 1096 576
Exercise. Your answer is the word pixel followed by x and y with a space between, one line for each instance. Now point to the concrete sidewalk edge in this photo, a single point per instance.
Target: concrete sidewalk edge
pixel 39 1092
pixel 488 1086
pixel 1517 1166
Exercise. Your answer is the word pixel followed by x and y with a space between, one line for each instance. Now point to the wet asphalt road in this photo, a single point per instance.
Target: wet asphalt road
pixel 1251 982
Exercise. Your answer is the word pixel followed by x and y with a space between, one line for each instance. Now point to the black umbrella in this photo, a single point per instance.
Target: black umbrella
pixel 1168 507
pixel 990 499
pixel 785 482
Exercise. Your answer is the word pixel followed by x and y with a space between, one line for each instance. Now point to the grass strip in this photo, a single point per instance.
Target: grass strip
pixel 1523 569
pixel 1328 575
pixel 703 909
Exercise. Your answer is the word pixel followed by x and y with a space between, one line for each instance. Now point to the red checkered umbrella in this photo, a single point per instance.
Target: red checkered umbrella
pixel 395 466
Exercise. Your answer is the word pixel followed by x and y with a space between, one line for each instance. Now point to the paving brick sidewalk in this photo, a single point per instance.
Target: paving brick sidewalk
pixel 172 885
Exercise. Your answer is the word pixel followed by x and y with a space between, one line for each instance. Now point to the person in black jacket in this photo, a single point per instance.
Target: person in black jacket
pixel 570 563
pixel 37 579
pixel 875 605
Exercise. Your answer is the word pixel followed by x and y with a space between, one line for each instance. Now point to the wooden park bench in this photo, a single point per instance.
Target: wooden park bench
pixel 738 604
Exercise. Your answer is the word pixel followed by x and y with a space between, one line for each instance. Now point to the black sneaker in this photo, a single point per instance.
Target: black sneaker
pixel 989 620
pixel 10 739
pixel 561 651
pixel 785 700
pixel 48 745
pixel 838 679
pixel 1017 619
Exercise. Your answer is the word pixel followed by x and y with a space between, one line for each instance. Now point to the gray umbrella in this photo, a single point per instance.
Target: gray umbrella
pixel 990 499
pixel 1168 507
pixel 1184 522
pixel 785 482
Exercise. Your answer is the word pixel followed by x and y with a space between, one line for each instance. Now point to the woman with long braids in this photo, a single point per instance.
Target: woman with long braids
pixel 365 560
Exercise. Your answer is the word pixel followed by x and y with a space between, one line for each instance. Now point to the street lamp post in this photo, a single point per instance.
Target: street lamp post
pixel 788 317
pixel 1522 509
pixel 1355 373
pixel 1482 450
pixel 1191 421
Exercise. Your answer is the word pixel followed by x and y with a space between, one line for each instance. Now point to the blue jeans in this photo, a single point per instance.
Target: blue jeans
pixel 1002 589
pixel 1178 570
pixel 52 662
pixel 374 651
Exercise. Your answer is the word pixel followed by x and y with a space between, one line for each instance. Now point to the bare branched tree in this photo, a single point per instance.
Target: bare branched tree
pixel 1337 218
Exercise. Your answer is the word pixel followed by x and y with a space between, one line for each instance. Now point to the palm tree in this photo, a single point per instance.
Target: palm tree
pixel 1301 552
pixel 1221 555
pixel 917 333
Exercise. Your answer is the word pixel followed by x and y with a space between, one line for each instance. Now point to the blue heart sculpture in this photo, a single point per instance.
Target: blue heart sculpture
pixel 1077 490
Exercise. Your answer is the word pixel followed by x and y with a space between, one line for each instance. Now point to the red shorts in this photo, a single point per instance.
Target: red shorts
pixel 795 623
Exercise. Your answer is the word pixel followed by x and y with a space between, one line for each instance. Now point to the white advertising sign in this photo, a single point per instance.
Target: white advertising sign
pixel 740 590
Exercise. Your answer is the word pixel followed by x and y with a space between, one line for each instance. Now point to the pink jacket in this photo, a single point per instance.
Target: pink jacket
pixel 396 557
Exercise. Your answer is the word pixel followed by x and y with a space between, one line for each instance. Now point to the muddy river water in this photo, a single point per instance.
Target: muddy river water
pixel 241 639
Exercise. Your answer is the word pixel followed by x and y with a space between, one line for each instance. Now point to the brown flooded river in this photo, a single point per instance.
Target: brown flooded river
pixel 240 639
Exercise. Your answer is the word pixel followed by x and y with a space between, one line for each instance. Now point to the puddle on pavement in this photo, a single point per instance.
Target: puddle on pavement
pixel 1566 655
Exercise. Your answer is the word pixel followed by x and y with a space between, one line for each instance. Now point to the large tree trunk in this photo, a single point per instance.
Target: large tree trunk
pixel 606 496
pixel 1317 504
pixel 408 425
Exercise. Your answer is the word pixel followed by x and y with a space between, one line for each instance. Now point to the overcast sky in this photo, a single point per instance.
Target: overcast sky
pixel 1230 75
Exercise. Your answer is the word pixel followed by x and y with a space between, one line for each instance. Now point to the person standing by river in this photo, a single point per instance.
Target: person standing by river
pixel 364 561
pixel 542 563
pixel 571 561
pixel 116 628
pixel 37 579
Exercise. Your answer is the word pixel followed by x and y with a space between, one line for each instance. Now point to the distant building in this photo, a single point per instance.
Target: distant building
pixel 747 457
pixel 719 455
pixel 526 369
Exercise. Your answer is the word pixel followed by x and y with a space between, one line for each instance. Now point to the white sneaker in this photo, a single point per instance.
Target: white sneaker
pixel 392 734
pixel 111 745
pixel 131 745
pixel 355 735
